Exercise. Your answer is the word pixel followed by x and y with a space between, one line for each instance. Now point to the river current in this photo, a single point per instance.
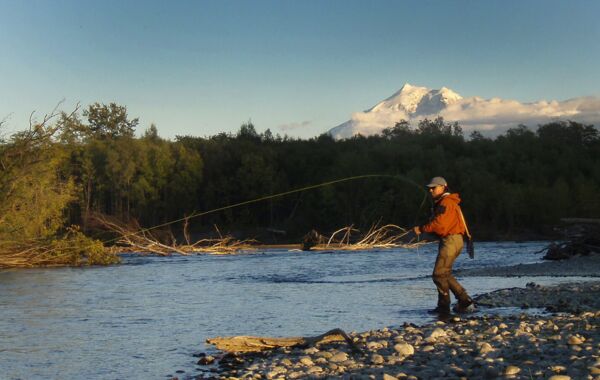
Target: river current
pixel 145 318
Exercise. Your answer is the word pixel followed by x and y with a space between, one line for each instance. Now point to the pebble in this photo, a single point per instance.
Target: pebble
pixel 207 360
pixel 575 340
pixel 404 349
pixel 437 333
pixel 324 354
pixel 558 368
pixel 321 361
pixel 559 377
pixel 307 361
pixel 377 359
pixel 485 348
pixel 339 357
pixel 512 370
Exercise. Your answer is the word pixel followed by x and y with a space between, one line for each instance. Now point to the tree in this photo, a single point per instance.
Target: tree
pixel 35 195
pixel 109 121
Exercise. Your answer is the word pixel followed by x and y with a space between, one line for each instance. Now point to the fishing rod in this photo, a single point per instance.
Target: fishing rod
pixel 282 194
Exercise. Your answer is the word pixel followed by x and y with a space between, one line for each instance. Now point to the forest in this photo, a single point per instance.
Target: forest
pixel 59 172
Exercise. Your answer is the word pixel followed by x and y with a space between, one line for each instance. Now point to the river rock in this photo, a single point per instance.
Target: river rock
pixel 389 377
pixel 314 370
pixel 404 349
pixel 207 360
pixel 307 361
pixel 437 333
pixel 512 370
pixel 339 357
pixel 558 368
pixel 575 340
pixel 324 354
pixel 559 377
pixel 485 348
pixel 377 359
pixel 276 371
pixel 321 361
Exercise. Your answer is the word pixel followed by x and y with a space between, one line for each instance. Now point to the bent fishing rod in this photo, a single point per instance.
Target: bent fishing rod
pixel 282 194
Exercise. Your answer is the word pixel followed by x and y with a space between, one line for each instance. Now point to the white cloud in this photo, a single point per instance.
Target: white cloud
pixel 488 115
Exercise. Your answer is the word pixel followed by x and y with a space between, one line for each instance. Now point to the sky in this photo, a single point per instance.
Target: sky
pixel 295 67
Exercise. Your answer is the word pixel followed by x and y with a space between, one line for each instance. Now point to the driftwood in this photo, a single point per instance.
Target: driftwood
pixel 138 239
pixel 581 237
pixel 244 344
pixel 387 236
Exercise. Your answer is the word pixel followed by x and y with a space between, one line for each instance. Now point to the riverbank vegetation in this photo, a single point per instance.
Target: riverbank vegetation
pixel 61 171
pixel 35 195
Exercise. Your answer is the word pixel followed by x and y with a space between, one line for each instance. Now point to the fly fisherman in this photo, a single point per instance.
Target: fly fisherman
pixel 448 224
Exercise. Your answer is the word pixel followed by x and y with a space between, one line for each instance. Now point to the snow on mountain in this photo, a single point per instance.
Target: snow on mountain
pixel 490 116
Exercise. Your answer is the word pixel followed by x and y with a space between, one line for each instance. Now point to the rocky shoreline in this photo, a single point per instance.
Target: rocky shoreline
pixel 555 346
pixel 562 343
pixel 517 347
pixel 582 266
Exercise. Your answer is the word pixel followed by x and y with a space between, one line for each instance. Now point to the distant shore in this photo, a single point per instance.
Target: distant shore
pixel 561 344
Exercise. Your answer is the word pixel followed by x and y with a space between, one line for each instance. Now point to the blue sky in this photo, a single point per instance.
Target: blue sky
pixel 295 67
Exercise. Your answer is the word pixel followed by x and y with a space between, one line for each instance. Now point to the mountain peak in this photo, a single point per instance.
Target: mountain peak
pixel 414 99
pixel 413 103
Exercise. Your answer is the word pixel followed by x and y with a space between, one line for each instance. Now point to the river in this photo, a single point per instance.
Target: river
pixel 146 318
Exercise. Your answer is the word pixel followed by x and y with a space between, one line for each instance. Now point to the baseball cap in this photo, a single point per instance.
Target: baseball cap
pixel 437 181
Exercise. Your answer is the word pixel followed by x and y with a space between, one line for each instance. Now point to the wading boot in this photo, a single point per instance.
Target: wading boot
pixel 440 310
pixel 463 305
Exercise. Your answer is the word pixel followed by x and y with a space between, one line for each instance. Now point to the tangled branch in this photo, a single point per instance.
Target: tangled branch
pixel 135 238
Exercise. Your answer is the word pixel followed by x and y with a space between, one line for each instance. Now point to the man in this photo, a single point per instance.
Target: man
pixel 448 224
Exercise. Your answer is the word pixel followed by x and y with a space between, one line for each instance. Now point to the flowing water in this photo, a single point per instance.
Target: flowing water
pixel 146 318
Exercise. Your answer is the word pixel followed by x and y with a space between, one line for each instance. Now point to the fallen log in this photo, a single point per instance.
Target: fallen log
pixel 243 344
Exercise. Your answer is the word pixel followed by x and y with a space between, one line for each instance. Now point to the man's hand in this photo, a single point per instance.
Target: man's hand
pixel 417 230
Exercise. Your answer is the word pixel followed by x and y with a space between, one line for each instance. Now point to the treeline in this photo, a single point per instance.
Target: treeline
pixel 516 185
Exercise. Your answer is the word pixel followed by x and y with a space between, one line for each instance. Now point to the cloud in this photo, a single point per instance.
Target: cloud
pixel 490 116
pixel 293 126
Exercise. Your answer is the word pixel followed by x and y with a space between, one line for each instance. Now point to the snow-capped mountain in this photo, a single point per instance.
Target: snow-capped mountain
pixel 417 100
pixel 491 116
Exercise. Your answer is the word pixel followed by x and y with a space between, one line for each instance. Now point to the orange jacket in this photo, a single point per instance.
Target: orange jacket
pixel 446 218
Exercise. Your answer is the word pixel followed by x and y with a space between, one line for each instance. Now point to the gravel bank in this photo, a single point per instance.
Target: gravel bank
pixel 573 298
pixel 558 346
pixel 517 347
pixel 585 266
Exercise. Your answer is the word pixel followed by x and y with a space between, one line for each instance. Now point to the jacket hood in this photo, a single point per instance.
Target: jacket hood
pixel 454 197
